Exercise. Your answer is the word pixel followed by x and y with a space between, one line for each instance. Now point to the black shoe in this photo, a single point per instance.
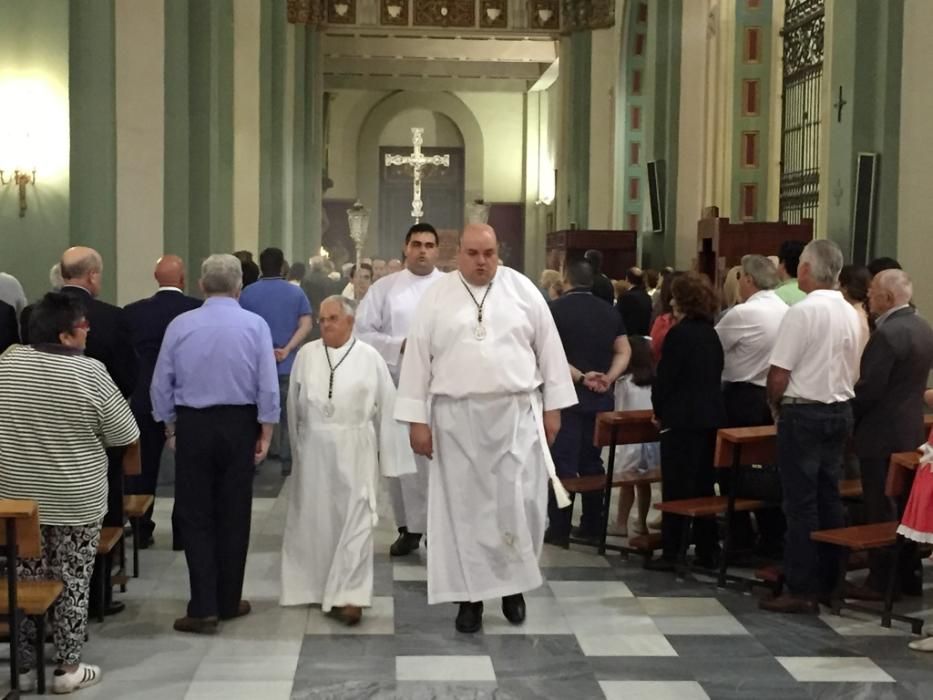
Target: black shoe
pixel 662 564
pixel 470 618
pixel 146 541
pixel 556 539
pixel 588 535
pixel 513 607
pixel 406 543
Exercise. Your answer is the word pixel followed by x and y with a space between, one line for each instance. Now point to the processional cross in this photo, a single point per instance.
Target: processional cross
pixel 417 160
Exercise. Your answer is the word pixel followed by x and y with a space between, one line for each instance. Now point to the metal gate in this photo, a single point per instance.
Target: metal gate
pixel 804 25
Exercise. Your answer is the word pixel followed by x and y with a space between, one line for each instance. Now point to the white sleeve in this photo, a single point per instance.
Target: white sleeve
pixel 558 388
pixel 395 455
pixel 295 406
pixel 731 328
pixel 411 404
pixel 372 325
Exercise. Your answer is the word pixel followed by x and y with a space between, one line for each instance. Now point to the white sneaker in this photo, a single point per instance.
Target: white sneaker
pixel 27 682
pixel 925 644
pixel 84 677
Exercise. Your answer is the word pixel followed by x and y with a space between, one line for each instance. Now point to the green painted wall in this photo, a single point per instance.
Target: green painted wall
pixel 865 61
pixel 34 39
pixel 635 36
pixel 92 103
pixel 576 131
pixel 271 124
pixel 663 119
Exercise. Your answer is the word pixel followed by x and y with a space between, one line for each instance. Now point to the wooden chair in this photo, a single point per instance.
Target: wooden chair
pixel 135 507
pixel 618 428
pixel 21 538
pixel 863 538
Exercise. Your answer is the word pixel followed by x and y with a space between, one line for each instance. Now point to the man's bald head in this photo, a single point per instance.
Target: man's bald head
pixel 889 290
pixel 478 257
pixel 82 267
pixel 170 271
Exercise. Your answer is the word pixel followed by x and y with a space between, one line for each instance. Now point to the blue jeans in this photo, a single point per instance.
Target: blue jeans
pixel 811 440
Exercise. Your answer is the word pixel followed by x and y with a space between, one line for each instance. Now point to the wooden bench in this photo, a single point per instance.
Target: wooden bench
pixel 615 428
pixel 111 541
pixel 863 538
pixel 135 508
pixel 21 538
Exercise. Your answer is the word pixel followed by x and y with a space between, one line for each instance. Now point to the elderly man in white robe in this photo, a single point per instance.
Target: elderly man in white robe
pixel 383 321
pixel 484 349
pixel 343 434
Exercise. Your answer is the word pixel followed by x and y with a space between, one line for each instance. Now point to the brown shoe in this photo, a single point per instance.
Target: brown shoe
pixel 196 625
pixel 244 608
pixel 787 603
pixel 349 615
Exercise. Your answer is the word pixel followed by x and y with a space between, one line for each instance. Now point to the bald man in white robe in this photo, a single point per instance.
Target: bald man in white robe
pixel 484 350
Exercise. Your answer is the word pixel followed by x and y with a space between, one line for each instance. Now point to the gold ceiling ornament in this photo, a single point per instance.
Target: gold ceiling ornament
pixel 310 12
pixel 394 12
pixel 494 14
pixel 584 15
pixel 444 13
pixel 544 14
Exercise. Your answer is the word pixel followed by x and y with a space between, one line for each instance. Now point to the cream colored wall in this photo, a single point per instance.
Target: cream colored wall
pixel 246 24
pixel 438 130
pixel 604 76
pixel 915 203
pixel 501 118
pixel 140 118
pixel 348 109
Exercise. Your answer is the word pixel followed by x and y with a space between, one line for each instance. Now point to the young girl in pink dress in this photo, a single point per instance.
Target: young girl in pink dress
pixel 917 523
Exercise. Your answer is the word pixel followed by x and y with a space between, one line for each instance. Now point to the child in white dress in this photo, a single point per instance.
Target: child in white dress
pixel 633 393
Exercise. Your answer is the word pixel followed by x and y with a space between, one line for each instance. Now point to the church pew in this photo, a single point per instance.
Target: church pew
pixel 615 428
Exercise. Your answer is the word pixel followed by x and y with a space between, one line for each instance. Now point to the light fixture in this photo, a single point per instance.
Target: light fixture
pixel 358 220
pixel 20 179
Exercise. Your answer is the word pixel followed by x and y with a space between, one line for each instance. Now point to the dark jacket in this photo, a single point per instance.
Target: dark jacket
pixel 108 340
pixel 687 393
pixel 603 289
pixel 9 327
pixel 148 319
pixel 635 307
pixel 888 403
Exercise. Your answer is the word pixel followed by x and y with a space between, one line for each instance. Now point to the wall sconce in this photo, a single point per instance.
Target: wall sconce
pixel 358 220
pixel 20 179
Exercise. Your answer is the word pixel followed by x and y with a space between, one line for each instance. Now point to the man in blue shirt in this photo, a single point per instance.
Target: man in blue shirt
pixel 287 311
pixel 216 389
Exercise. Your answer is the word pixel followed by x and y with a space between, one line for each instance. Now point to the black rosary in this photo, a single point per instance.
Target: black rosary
pixel 479 331
pixel 329 406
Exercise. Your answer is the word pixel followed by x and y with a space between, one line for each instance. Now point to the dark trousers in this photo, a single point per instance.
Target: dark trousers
pixel 879 508
pixel 687 472
pixel 213 502
pixel 811 439
pixel 151 444
pixel 114 517
pixel 747 406
pixel 575 455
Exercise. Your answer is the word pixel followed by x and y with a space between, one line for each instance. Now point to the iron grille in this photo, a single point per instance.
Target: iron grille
pixel 804 25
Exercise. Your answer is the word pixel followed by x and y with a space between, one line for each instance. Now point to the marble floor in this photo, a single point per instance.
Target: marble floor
pixel 599 628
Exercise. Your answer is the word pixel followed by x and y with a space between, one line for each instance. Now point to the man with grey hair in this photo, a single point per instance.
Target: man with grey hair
pixel 810 384
pixel 748 332
pixel 216 389
pixel 888 409
pixel 340 402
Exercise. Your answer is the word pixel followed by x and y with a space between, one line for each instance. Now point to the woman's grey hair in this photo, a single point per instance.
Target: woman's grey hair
pixel 348 305
pixel 825 260
pixel 221 273
pixel 762 271
pixel 55 277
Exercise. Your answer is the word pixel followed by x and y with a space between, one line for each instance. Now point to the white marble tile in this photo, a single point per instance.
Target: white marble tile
pixel 653 690
pixel 379 619
pixel 855 624
pixel 444 668
pixel 683 607
pixel 589 590
pixel 544 616
pixel 834 669
pixel 621 644
pixel 622 625
pixel 402 571
pixel 239 690
pixel 558 557
pixel 251 667
pixel 110 688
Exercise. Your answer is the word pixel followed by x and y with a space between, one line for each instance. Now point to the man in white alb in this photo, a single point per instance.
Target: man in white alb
pixel 340 403
pixel 483 348
pixel 382 321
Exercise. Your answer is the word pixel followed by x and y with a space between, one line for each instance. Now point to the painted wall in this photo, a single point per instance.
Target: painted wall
pixel 438 130
pixel 501 118
pixel 604 78
pixel 915 167
pixel 34 70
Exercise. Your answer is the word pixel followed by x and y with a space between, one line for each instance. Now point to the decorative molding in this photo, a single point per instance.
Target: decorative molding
pixel 493 14
pixel 444 13
pixel 306 12
pixel 341 11
pixel 585 15
pixel 394 13
pixel 544 14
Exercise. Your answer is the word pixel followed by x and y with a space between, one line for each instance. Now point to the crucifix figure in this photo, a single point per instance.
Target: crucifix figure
pixel 839 104
pixel 417 160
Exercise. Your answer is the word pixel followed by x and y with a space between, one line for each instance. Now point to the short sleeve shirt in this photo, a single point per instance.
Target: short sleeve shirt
pixel 819 342
pixel 281 305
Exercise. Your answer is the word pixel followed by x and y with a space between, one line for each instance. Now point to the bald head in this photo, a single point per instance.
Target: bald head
pixel 478 257
pixel 82 267
pixel 170 271
pixel 889 290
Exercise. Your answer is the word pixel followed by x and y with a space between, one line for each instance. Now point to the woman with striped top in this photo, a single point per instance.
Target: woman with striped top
pixel 59 411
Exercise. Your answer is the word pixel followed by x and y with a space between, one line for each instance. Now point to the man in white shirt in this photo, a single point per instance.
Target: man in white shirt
pixel 382 321
pixel 811 381
pixel 483 347
pixel 748 333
